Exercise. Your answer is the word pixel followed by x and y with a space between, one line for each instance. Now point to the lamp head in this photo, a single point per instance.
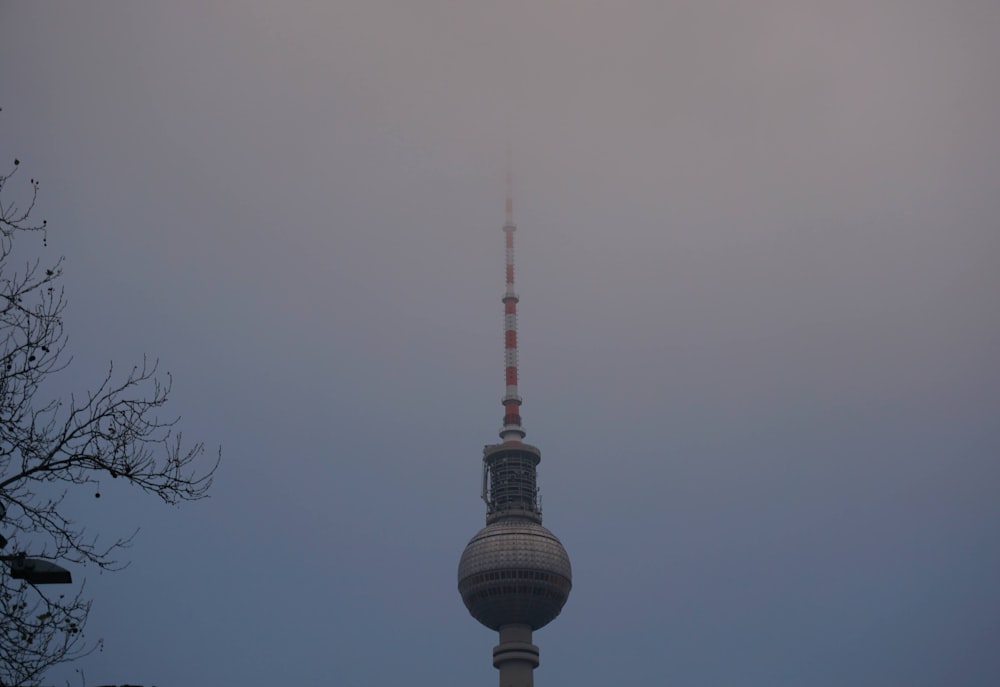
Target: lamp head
pixel 38 571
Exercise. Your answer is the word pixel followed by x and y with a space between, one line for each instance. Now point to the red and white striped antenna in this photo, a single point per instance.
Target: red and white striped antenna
pixel 512 430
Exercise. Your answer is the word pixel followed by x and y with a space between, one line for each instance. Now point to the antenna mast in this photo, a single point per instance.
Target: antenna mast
pixel 512 430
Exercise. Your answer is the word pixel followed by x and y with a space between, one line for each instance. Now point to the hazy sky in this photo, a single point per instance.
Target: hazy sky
pixel 759 262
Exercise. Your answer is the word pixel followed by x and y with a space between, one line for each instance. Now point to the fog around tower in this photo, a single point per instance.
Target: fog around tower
pixel 757 255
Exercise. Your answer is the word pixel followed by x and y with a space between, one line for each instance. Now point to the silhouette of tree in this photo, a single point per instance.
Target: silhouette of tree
pixel 51 446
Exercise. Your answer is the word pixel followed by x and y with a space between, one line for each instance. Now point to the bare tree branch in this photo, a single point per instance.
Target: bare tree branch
pixel 49 446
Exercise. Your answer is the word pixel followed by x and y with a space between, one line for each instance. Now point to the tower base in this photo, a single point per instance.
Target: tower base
pixel 515 656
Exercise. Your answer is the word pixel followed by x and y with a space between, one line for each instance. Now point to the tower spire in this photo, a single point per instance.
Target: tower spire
pixel 511 431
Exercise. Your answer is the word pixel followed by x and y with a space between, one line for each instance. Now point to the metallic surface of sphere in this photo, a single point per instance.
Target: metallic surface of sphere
pixel 514 571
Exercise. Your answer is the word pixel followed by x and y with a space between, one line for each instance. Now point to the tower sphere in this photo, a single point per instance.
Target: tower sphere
pixel 514 571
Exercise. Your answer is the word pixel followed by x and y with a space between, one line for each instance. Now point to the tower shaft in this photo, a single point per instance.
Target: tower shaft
pixel 515 656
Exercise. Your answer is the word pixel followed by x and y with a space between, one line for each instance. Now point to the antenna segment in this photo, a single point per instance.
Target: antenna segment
pixel 512 430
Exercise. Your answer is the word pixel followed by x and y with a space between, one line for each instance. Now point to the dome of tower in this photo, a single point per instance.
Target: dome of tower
pixel 514 571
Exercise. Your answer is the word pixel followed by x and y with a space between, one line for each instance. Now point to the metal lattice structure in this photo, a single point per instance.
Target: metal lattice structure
pixel 510 481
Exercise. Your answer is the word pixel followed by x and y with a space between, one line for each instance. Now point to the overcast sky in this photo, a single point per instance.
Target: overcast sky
pixel 759 262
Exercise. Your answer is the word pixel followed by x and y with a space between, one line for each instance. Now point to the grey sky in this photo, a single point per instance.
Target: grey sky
pixel 758 260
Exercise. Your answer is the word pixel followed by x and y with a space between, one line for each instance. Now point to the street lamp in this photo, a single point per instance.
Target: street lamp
pixel 36 570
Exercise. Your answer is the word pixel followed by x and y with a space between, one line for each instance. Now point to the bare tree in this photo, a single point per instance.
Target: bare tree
pixel 49 446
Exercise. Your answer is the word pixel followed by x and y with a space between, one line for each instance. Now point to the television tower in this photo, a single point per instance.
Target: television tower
pixel 514 575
